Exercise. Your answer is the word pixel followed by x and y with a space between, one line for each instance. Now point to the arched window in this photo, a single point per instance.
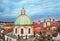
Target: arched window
pixel 7 39
pixel 22 31
pixel 16 30
pixel 10 39
pixel 29 30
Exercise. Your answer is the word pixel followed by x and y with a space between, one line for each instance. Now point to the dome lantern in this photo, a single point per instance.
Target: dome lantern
pixel 23 11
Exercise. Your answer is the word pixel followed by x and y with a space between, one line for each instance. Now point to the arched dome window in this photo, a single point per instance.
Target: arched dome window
pixel 16 30
pixel 29 30
pixel 22 31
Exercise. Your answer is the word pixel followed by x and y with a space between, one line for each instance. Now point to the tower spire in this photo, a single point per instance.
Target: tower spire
pixel 23 11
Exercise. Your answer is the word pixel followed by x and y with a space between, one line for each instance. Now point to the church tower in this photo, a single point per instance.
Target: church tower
pixel 44 24
pixel 48 21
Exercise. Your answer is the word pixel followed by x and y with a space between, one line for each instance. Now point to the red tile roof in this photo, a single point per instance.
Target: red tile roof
pixel 1 37
pixel 38 27
pixel 6 31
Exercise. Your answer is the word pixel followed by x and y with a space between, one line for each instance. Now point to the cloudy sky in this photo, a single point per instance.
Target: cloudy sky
pixel 36 9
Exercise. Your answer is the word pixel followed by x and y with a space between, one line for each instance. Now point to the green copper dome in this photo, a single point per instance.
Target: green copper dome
pixel 23 20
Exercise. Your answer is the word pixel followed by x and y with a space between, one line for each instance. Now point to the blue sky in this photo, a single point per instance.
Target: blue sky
pixel 36 9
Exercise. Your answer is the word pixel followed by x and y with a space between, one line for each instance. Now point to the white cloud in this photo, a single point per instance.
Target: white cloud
pixel 33 7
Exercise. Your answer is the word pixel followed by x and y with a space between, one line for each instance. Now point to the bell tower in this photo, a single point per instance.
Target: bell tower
pixel 48 21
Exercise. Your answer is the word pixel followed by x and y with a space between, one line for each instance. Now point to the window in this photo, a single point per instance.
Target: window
pixel 7 39
pixel 21 31
pixel 16 30
pixel 29 30
pixel 10 39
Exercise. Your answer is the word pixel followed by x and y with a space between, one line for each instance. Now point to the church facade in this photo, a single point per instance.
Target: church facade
pixel 23 28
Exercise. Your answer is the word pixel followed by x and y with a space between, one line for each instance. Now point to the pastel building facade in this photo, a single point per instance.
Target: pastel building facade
pixel 23 28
